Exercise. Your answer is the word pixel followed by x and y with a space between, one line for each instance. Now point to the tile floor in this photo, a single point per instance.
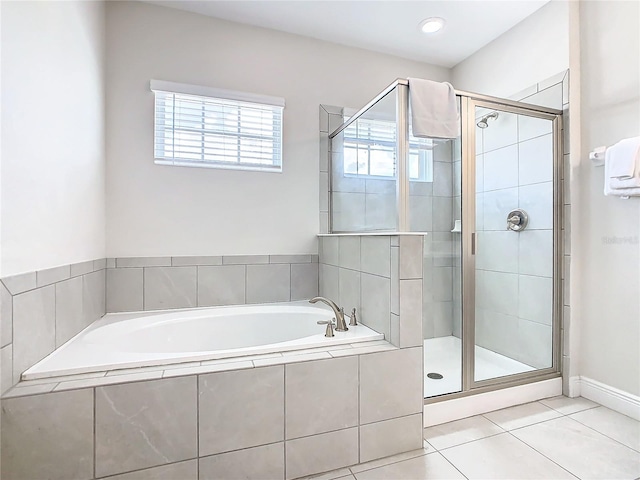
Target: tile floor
pixel 555 438
pixel 443 355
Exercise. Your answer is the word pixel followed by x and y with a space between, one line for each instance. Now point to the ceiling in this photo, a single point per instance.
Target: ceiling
pixel 389 26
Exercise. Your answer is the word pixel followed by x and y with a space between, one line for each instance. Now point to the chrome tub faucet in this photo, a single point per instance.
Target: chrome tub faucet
pixel 341 326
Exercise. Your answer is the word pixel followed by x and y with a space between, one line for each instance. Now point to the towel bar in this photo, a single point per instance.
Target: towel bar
pixel 597 156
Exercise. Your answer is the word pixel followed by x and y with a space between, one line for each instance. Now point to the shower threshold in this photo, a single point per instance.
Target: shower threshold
pixel 443 355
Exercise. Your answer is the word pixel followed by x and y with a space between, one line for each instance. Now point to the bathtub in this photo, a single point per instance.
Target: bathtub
pixel 127 340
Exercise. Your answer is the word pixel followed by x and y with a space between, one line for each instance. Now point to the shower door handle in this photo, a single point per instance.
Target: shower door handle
pixel 473 243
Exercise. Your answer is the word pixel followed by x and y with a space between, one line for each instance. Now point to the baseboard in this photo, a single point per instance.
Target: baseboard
pixel 574 386
pixel 457 408
pixel 610 397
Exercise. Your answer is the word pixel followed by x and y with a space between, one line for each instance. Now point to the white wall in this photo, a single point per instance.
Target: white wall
pixel 160 210
pixel 535 49
pixel 52 134
pixel 608 273
pixel 1 306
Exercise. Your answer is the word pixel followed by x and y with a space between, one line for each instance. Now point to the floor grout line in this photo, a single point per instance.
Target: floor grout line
pixel 567 414
pixel 523 426
pixel 453 465
pixel 551 460
pixel 484 416
pixel 509 432
pixel 442 451
pixel 470 441
pixel 602 433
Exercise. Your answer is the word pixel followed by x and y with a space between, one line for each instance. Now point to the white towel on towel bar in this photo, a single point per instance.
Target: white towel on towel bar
pixel 434 109
pixel 623 192
pixel 619 184
pixel 620 152
pixel 618 192
pixel 624 158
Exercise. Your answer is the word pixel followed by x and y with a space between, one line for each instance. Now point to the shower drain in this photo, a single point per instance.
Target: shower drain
pixel 434 376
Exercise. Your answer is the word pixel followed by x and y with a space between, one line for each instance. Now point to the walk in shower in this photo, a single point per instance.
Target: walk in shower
pixel 488 203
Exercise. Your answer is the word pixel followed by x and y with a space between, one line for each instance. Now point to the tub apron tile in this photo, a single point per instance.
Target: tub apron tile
pixel 48 436
pixel 241 409
pixel 145 424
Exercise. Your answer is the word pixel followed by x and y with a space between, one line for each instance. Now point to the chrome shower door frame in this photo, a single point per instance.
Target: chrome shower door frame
pixel 469 102
pixel 402 154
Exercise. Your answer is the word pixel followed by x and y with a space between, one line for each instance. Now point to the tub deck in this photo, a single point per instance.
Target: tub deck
pixel 174 340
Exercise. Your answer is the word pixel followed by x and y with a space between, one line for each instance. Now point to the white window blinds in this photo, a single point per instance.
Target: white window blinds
pixel 204 127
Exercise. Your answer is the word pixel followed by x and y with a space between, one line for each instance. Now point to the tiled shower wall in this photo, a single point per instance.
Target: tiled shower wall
pixel 456 240
pixel 434 213
pixel 42 310
pixel 360 204
pixel 330 118
pixel 547 94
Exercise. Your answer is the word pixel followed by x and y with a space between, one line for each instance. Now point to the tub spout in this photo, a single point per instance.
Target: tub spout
pixel 341 326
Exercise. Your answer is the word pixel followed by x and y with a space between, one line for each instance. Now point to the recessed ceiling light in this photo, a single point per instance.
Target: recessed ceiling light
pixel 432 25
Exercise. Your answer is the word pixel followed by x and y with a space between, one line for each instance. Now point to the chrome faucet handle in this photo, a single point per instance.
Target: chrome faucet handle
pixel 342 326
pixel 353 321
pixel 330 324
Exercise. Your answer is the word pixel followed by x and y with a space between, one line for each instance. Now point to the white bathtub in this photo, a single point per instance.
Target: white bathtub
pixel 125 340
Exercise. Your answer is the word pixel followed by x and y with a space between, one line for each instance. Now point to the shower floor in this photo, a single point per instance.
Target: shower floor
pixel 443 355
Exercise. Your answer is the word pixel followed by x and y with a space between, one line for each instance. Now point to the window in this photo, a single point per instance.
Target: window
pixel 370 150
pixel 206 127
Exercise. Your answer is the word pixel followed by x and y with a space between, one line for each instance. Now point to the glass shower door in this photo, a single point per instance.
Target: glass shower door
pixel 514 242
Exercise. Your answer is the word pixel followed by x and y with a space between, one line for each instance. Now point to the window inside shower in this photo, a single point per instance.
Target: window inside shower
pixel 370 151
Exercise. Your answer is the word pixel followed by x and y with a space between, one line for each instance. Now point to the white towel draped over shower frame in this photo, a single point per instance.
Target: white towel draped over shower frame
pixel 434 109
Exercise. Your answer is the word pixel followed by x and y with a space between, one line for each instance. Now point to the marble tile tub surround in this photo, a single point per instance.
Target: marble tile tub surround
pixel 42 310
pixel 203 423
pixel 381 276
pixel 156 283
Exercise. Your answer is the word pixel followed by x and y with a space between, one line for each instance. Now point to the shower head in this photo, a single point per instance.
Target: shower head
pixel 484 121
